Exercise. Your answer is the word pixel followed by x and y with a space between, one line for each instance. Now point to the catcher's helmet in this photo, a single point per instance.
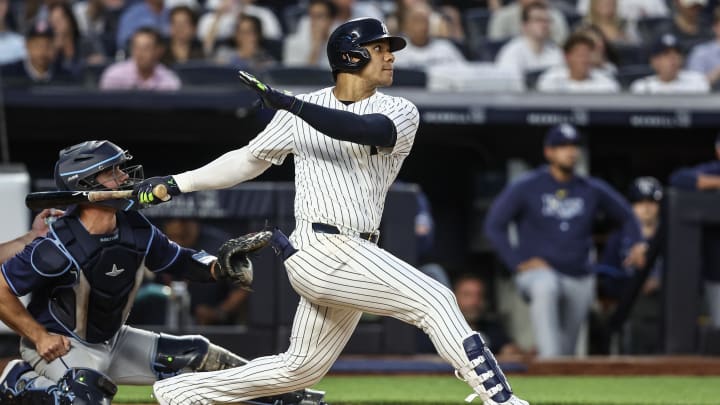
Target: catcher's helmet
pixel 347 40
pixel 78 166
pixel 645 189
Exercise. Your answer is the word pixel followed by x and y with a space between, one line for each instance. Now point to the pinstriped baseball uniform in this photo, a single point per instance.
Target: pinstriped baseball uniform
pixel 338 276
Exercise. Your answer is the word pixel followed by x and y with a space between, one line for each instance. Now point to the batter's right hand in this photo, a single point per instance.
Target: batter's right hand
pixel 50 347
pixel 533 263
pixel 270 97
pixel 144 190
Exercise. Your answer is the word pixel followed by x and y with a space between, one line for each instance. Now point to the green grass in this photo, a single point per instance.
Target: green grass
pixel 386 390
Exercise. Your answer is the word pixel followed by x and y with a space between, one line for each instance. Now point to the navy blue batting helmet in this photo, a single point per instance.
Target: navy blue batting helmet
pixel 78 166
pixel 347 41
pixel 645 188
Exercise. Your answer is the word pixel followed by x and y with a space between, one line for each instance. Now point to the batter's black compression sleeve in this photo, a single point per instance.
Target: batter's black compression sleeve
pixel 369 129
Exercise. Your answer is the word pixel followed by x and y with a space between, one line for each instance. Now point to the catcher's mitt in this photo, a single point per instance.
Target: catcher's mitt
pixel 233 263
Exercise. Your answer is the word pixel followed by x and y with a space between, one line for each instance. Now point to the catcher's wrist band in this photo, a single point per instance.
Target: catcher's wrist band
pixel 199 267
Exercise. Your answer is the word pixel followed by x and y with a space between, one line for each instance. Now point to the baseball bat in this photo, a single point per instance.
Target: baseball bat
pixel 54 199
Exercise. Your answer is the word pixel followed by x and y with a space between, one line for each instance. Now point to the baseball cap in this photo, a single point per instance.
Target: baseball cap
pixel 39 29
pixel 665 42
pixel 645 188
pixel 563 134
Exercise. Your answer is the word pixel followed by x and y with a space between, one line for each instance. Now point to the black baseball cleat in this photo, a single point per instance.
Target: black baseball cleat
pixel 302 397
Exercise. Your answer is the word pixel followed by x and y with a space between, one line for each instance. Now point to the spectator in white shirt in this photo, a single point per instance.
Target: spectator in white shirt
pixel 604 57
pixel 507 22
pixel 705 58
pixel 667 61
pixel 632 10
pixel 533 50
pixel 442 25
pixel 577 76
pixel 604 15
pixel 12 44
pixel 307 47
pixel 422 50
pixel 219 23
pixel 349 9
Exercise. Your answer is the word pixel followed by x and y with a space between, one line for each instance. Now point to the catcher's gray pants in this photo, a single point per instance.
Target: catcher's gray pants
pixel 126 358
pixel 338 278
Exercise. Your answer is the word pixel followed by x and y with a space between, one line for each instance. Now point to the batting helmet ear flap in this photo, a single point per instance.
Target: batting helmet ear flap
pixel 361 54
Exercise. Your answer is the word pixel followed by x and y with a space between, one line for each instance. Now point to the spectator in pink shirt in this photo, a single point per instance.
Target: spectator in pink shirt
pixel 143 71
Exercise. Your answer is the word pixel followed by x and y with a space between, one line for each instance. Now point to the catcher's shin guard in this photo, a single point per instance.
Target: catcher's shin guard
pixel 302 397
pixel 177 354
pixel 483 373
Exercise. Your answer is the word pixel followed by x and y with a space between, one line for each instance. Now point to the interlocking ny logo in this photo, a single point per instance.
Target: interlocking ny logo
pixel 115 271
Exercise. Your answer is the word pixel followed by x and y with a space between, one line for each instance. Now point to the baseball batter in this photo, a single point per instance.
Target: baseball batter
pixel 348 143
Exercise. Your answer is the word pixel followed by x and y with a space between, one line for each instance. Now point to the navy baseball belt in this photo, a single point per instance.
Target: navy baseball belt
pixel 332 229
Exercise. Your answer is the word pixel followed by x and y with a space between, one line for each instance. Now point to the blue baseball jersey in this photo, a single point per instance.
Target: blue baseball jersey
pixel 686 178
pixel 554 220
pixel 47 267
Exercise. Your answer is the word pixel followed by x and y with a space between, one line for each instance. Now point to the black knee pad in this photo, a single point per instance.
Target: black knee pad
pixel 84 386
pixel 175 354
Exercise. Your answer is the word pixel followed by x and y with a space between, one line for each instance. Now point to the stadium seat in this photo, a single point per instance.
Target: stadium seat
pixel 628 74
pixel 647 27
pixel 203 73
pixel 476 22
pixel 291 17
pixel 531 78
pixel 572 18
pixel 489 49
pixel 92 74
pixel 299 76
pixel 274 47
pixel 630 54
pixel 409 78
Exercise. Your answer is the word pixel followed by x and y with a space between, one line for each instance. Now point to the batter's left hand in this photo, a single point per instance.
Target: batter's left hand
pixel 636 256
pixel 270 97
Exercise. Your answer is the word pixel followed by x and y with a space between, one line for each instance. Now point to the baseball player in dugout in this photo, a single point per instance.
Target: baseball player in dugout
pixel 83 275
pixel 348 143
pixel 553 209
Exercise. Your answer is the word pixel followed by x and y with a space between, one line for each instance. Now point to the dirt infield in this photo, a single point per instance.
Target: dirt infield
pixel 628 365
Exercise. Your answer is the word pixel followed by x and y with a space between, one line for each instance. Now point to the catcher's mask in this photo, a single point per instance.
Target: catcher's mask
pixel 78 166
pixel 346 43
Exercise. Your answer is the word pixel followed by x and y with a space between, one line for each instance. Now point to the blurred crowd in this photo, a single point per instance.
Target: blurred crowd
pixel 560 46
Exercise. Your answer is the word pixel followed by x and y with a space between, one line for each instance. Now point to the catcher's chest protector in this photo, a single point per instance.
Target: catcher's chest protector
pixel 94 304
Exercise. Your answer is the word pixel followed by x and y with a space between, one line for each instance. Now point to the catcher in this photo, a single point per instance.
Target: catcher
pixel 83 277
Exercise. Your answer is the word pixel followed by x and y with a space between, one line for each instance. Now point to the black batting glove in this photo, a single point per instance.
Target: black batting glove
pixel 145 190
pixel 270 97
